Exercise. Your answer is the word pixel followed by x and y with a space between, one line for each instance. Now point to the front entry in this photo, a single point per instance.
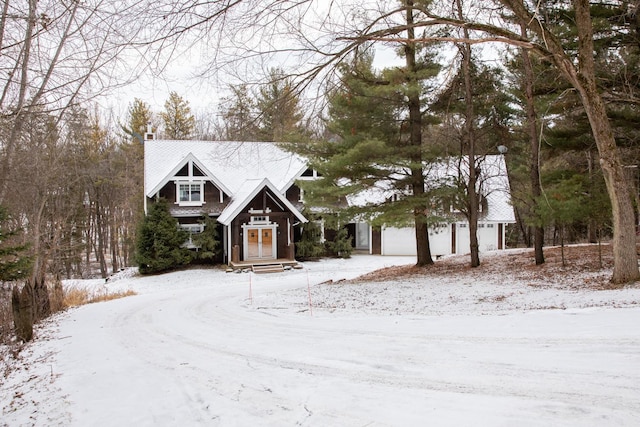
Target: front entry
pixel 260 242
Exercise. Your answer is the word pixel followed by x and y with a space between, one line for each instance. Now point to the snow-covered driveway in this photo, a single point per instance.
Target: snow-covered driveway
pixel 192 349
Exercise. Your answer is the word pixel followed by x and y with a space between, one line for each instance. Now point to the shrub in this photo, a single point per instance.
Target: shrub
pixel 160 244
pixel 207 242
pixel 310 245
pixel 341 245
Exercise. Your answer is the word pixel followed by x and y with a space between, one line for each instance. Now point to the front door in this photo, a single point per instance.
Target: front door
pixel 253 243
pixel 267 243
pixel 260 243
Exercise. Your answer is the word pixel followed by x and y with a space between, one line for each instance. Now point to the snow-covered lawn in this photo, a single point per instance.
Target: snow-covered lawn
pixel 208 348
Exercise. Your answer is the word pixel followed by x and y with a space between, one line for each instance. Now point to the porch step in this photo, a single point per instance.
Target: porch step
pixel 268 268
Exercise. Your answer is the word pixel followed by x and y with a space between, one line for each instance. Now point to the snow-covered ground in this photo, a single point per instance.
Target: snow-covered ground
pixel 208 348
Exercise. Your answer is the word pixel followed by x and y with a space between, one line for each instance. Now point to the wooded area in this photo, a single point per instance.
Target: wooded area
pixel 555 82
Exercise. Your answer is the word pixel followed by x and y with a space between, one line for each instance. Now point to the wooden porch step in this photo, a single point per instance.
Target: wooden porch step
pixel 268 268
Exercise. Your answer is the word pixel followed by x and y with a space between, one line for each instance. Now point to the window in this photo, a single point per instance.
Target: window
pixel 190 184
pixel 191 229
pixel 259 219
pixel 190 193
pixel 310 174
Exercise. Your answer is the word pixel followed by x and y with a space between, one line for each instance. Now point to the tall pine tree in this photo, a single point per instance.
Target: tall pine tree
pixel 279 109
pixel 179 123
pixel 15 263
pixel 377 122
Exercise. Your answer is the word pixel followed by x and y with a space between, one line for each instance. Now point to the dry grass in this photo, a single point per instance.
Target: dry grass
pixel 60 299
pixel 76 296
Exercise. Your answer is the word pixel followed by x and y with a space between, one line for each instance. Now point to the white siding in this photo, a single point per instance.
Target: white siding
pixel 398 241
pixel 402 241
pixel 462 238
pixel 440 240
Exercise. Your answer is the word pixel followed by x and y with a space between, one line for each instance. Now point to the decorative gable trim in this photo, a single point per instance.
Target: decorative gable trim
pixel 250 189
pixel 171 176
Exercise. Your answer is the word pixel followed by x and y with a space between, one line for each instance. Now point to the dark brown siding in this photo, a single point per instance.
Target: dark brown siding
pixel 293 194
pixel 376 241
pixel 168 192
pixel 278 215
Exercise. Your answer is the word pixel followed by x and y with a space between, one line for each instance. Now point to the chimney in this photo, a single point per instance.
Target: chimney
pixel 149 135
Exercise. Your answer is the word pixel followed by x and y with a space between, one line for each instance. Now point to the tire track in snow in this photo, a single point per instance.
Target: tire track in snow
pixel 222 326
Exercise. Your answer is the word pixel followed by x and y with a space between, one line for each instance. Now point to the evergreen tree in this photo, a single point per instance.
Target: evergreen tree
pixel 310 245
pixel 341 246
pixel 160 243
pixel 377 142
pixel 139 116
pixel 179 123
pixel 279 109
pixel 239 115
pixel 568 205
pixel 207 242
pixel 15 263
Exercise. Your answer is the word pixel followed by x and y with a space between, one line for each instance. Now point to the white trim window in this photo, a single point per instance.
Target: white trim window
pixel 190 193
pixel 191 229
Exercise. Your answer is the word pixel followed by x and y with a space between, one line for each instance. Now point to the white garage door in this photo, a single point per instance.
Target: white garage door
pixel 398 241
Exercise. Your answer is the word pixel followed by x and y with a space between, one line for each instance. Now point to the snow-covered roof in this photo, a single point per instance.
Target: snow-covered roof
pixel 493 184
pixel 227 163
pixel 246 192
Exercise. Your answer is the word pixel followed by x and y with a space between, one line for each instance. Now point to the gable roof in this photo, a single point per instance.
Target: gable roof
pixel 246 192
pixel 227 163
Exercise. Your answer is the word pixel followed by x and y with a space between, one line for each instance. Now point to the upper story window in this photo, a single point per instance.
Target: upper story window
pixel 310 174
pixel 190 192
pixel 189 185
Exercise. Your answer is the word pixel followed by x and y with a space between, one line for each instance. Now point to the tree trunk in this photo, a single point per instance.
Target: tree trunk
pixel 624 239
pixel 100 237
pixel 472 193
pixel 534 168
pixel 22 307
pixel 592 225
pixel 41 301
pixel 423 249
pixel 625 257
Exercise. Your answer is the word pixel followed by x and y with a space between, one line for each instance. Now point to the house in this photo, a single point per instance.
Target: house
pixel 451 236
pixel 251 189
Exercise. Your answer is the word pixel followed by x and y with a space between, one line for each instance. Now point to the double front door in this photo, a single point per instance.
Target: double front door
pixel 260 243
